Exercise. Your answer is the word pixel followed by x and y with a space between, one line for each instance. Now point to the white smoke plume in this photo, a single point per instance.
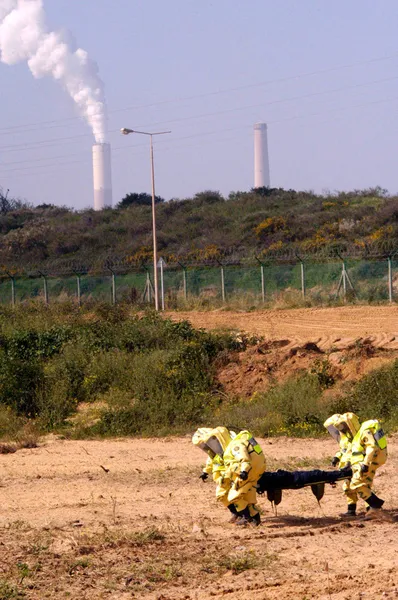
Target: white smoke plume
pixel 24 37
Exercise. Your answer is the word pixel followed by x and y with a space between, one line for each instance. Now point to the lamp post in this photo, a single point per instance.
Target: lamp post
pixel 126 131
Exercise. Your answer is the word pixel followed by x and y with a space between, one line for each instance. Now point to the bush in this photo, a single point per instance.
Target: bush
pixel 291 408
pixel 373 397
pixel 20 381
pixel 150 373
pixel 175 392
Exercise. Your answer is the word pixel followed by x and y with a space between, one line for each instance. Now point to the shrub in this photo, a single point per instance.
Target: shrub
pixel 20 381
pixel 291 408
pixel 373 397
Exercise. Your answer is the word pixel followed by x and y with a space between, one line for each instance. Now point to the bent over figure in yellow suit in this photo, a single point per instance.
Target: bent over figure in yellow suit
pixel 214 442
pixel 366 453
pixel 236 462
pixel 245 462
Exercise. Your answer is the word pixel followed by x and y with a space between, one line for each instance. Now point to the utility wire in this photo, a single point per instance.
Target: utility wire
pixel 57 141
pixel 41 124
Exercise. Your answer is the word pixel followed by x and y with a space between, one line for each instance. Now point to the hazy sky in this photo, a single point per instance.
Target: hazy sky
pixel 322 74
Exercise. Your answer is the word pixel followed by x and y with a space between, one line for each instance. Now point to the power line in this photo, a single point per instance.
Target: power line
pixel 54 123
pixel 211 132
pixel 57 141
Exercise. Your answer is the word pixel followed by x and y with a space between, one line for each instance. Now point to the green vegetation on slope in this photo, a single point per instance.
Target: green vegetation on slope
pixel 107 372
pixel 149 374
pixel 199 229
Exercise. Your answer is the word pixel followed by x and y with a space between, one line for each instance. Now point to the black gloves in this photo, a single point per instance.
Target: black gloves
pixel 364 468
pixel 243 476
pixel 335 461
pixel 203 476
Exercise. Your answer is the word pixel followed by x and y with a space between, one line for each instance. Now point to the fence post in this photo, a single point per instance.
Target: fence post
pixel 161 264
pixel 390 293
pixel 12 278
pixel 302 278
pixel 262 279
pixel 78 288
pixel 222 281
pixel 184 280
pixel 344 276
pixel 79 295
pixel 113 276
pixel 148 286
pixel 44 286
pixel 302 272
pixel 344 279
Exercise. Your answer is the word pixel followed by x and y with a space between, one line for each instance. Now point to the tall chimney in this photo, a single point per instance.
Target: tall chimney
pixel 261 160
pixel 102 175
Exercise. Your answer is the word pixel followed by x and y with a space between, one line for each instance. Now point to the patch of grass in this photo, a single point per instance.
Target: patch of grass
pixel 118 537
pixel 148 536
pixel 239 561
pixel 9 591
pixel 78 565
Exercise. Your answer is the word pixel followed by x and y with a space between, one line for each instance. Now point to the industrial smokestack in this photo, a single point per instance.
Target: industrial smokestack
pixel 102 175
pixel 261 160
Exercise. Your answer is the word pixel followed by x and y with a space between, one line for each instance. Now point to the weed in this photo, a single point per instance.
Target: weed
pixel 117 538
pixel 81 563
pixel 322 369
pixel 23 571
pixel 9 592
pixel 147 536
pixel 239 561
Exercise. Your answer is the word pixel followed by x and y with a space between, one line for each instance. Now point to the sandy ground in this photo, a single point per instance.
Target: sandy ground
pixel 324 326
pixel 130 519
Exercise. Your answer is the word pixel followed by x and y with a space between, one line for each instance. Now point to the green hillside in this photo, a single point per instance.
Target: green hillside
pixel 263 222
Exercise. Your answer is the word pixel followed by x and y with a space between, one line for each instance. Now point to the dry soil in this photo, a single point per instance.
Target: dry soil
pixel 130 519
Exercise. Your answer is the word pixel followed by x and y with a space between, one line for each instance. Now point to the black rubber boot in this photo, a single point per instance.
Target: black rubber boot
pixel 374 501
pixel 374 509
pixel 256 520
pixel 235 516
pixel 244 517
pixel 351 511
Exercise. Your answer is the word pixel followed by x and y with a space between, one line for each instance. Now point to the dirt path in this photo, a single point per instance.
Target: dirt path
pixel 130 519
pixel 324 326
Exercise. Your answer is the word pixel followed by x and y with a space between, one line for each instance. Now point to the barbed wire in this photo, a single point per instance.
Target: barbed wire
pixel 106 264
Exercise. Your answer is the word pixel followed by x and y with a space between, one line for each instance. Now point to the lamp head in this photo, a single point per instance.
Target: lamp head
pixel 126 131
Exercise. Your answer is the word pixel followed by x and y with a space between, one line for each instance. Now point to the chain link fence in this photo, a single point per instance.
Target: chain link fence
pixel 215 284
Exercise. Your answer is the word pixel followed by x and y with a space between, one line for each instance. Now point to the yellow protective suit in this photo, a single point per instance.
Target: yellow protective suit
pixel 369 448
pixel 215 464
pixel 359 445
pixel 344 439
pixel 244 454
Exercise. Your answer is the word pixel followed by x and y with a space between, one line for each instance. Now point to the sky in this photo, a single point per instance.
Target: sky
pixel 322 74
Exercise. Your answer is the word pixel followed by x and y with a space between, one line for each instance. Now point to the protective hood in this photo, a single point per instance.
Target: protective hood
pixel 212 441
pixel 331 425
pixel 352 422
pixel 346 424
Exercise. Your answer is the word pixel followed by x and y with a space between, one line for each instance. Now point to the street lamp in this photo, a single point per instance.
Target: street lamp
pixel 126 131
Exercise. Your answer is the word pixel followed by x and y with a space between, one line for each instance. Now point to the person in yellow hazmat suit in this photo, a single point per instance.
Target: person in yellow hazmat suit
pixel 366 452
pixel 245 462
pixel 214 442
pixel 344 441
pixel 236 462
